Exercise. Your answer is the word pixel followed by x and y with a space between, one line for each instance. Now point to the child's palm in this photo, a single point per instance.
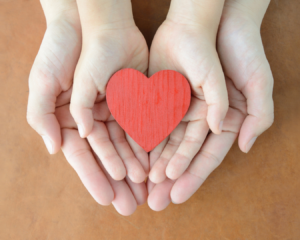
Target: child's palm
pixel 187 50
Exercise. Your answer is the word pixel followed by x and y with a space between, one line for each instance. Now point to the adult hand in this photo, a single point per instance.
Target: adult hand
pixel 244 61
pixel 186 42
pixel 111 41
pixel 207 159
pixel 53 68
pixel 125 195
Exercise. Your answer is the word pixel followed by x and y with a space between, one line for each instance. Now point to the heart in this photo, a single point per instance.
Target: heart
pixel 148 109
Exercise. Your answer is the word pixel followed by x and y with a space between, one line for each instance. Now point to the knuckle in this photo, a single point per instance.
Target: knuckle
pixel 119 140
pixel 31 120
pixel 78 154
pixel 209 157
pixel 268 121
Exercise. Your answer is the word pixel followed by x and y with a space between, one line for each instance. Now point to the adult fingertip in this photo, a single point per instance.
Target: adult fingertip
pixel 137 177
pixel 250 144
pixel 156 205
pixel 156 177
pixel 125 211
pixel 118 173
pixel 221 126
pixel 171 173
pixel 48 144
pixel 81 130
pixel 104 202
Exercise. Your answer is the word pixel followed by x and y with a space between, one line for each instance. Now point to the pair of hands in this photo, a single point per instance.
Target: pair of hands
pixel 91 40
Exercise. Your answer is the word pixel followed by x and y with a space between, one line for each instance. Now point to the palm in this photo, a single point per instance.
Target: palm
pixel 103 54
pixel 125 194
pixel 207 159
pixel 184 49
pixel 244 62
pixel 51 74
pixel 108 136
pixel 113 50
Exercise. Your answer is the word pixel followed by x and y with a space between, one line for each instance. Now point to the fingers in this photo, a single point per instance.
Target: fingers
pixel 139 153
pixel 82 102
pixel 80 157
pixel 243 58
pixel 185 141
pixel 150 185
pixel 53 71
pixel 210 82
pixel 40 116
pixel 159 198
pixel 138 190
pixel 99 140
pixel 260 108
pixel 125 195
pixel 245 62
pixel 195 135
pixel 124 201
pixel 212 152
pixel 156 152
pixel 135 171
pixel 208 159
pixel 158 171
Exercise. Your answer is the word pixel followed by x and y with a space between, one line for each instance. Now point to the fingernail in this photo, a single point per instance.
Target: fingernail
pixel 80 130
pixel 250 144
pixel 48 144
pixel 221 126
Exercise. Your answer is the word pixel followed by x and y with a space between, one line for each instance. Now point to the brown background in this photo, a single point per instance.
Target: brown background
pixel 250 196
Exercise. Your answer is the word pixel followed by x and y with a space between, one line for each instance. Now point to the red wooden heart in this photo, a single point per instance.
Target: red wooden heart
pixel 148 109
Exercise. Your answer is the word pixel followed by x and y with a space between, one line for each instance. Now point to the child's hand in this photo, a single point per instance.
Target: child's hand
pixel 111 41
pixel 53 68
pixel 207 159
pixel 186 42
pixel 125 195
pixel 245 63
pixel 249 85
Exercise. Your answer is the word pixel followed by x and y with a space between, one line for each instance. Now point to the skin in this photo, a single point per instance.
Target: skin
pixel 52 74
pixel 249 83
pixel 186 42
pixel 108 31
pixel 125 195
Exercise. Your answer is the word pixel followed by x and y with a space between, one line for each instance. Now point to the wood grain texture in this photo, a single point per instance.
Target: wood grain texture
pixel 148 109
pixel 249 196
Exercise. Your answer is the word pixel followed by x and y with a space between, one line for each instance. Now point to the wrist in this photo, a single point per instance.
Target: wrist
pixel 61 10
pixel 253 10
pixel 97 15
pixel 204 13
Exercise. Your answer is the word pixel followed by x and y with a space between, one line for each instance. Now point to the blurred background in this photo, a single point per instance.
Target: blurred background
pixel 250 196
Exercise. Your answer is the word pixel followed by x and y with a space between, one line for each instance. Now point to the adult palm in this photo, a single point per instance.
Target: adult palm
pixel 244 62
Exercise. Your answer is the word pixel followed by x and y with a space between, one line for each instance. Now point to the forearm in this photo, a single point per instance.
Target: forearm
pixel 104 14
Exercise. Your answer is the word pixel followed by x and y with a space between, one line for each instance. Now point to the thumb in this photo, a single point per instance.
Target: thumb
pixel 41 107
pixel 208 83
